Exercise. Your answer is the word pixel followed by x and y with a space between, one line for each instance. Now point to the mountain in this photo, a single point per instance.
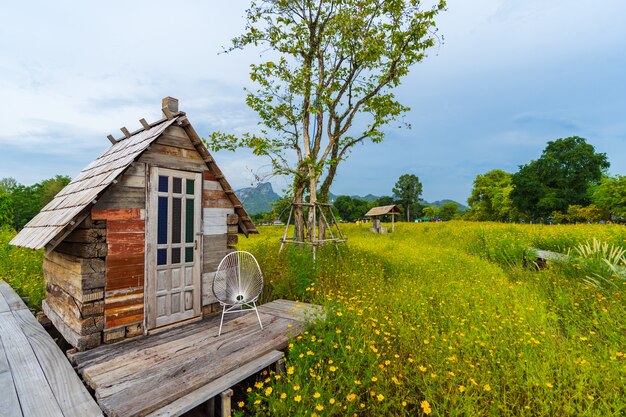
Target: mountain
pixel 440 203
pixel 257 199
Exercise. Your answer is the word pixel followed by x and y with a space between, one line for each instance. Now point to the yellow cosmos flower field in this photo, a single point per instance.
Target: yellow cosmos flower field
pixel 448 319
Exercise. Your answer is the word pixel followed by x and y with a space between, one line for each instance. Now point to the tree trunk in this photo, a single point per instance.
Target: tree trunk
pixel 311 223
pixel 298 212
pixel 408 209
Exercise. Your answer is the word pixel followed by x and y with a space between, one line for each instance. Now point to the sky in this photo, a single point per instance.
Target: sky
pixel 509 77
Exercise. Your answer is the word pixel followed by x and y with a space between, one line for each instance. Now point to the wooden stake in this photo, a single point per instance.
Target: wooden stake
pixel 145 124
pixel 111 139
pixel 125 132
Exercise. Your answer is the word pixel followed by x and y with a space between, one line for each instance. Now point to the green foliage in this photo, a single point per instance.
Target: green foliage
pixel 561 177
pixel 449 211
pixel 6 210
pixel 22 269
pixel 610 195
pixel 490 199
pixel 351 209
pixel 578 214
pixel 330 64
pixel 431 212
pixel 26 201
pixel 407 190
pixel 420 322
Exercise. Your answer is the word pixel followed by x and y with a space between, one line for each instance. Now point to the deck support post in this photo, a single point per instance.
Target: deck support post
pixel 226 395
pixel 210 407
pixel 280 367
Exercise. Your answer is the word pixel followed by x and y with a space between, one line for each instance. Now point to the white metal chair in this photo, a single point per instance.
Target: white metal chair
pixel 238 283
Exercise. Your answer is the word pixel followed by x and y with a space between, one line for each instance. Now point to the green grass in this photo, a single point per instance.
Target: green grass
pixel 22 269
pixel 448 320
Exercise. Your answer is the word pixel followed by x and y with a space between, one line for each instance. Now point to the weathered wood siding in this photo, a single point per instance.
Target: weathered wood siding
pixel 217 210
pixel 75 281
pixel 174 150
pixel 123 208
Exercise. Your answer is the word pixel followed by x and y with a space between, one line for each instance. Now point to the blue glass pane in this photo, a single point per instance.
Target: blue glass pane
pixel 161 256
pixel 162 184
pixel 162 221
pixel 175 255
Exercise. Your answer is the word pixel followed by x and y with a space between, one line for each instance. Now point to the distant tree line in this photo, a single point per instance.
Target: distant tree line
pixel 406 194
pixel 20 203
pixel 568 183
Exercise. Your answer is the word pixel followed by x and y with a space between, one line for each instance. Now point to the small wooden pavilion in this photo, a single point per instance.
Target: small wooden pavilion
pixel 377 212
pixel 133 242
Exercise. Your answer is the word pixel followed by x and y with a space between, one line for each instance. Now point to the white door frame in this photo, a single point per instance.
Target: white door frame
pixel 152 270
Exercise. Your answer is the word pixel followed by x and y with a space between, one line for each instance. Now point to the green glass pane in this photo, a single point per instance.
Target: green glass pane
pixel 190 187
pixel 189 215
pixel 188 254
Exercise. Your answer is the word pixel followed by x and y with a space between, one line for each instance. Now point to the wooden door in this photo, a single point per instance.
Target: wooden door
pixel 173 250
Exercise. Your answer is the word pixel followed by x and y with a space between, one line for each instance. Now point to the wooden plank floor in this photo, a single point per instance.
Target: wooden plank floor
pixel 35 376
pixel 137 377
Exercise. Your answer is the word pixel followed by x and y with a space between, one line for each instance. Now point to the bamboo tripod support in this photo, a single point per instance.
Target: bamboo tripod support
pixel 313 238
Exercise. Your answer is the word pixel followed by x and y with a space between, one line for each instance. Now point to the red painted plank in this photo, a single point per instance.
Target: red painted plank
pixel 125 248
pixel 116 214
pixel 126 226
pixel 114 238
pixel 208 176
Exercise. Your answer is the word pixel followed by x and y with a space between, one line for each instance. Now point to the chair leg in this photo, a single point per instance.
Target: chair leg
pixel 222 320
pixel 257 315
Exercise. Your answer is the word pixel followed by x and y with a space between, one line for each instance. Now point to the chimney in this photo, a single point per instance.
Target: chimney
pixel 170 107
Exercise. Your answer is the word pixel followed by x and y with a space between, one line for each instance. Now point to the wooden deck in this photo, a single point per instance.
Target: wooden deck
pixel 143 376
pixel 36 378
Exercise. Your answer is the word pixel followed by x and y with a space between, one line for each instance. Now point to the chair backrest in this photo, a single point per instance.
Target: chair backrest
pixel 238 279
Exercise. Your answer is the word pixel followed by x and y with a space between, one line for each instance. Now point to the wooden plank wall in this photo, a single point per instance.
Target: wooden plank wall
pixel 219 226
pixel 123 208
pixel 75 280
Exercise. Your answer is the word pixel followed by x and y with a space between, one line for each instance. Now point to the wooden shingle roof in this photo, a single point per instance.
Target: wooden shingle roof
pixel 72 204
pixel 382 210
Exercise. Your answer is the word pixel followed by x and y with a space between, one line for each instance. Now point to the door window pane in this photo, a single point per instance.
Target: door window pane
pixel 161 256
pixel 162 184
pixel 177 185
pixel 188 254
pixel 189 221
pixel 190 187
pixel 162 221
pixel 176 220
pixel 175 255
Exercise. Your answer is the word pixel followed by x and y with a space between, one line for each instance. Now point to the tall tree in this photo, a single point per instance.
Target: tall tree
pixel 329 82
pixel 408 190
pixel 559 178
pixel 449 211
pixel 490 199
pixel 610 195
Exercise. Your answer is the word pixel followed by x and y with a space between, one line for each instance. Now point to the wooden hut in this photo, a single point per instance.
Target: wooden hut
pixel 133 242
pixel 377 212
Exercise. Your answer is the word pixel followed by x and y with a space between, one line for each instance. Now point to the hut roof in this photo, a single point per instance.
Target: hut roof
pixel 73 203
pixel 382 210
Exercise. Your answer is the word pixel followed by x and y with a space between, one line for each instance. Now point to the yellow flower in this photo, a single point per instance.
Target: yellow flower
pixel 487 387
pixel 319 407
pixel 426 341
pixel 317 395
pixel 351 397
pixel 268 391
pixel 403 403
pixel 296 387
pixel 249 389
pixel 283 396
pixel 332 401
pixel 426 407
pixel 258 385
pixel 297 398
pixel 461 388
pixel 290 370
pixel 422 368
pixel 549 385
pixel 339 313
pixel 333 369
pixel 374 379
pixel 241 404
pixel 380 397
